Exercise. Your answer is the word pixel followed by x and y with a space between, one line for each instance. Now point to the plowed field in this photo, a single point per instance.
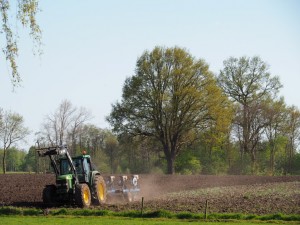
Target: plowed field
pixel 244 194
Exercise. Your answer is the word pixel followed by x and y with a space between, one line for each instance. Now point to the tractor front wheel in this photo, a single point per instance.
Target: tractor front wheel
pixel 49 195
pixel 99 188
pixel 83 195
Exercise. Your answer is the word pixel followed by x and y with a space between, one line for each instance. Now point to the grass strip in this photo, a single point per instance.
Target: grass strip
pixel 14 211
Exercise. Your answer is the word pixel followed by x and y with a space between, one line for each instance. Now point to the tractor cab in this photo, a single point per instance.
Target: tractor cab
pixel 82 165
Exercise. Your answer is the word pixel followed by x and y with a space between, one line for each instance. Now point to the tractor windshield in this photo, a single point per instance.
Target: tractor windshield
pixel 65 167
pixel 78 165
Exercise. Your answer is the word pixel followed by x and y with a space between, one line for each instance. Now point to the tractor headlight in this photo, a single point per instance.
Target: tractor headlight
pixel 62 151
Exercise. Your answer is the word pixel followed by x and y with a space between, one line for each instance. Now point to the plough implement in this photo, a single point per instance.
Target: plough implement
pixel 123 188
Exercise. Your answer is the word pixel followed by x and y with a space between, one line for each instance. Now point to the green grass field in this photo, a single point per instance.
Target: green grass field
pixel 49 220
pixel 34 216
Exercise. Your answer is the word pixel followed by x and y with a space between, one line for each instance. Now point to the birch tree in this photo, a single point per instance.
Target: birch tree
pixel 12 131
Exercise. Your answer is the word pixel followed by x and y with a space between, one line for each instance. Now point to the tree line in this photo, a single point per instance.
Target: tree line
pixel 177 116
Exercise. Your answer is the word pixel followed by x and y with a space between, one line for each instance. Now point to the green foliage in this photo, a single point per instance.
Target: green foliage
pixel 216 163
pixel 130 214
pixel 25 14
pixel 80 212
pixel 10 211
pixel 14 160
pixel 187 163
pixel 140 155
pixel 12 131
pixel 158 214
pixel 279 216
pixel 32 212
pixel 189 215
pixel 61 211
pixel 235 216
pixel 296 164
pixel 111 148
pixel 30 161
pixel 101 161
pixel 157 170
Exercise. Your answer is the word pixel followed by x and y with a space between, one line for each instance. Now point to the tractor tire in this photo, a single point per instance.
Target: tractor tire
pixel 82 195
pixel 99 188
pixel 49 195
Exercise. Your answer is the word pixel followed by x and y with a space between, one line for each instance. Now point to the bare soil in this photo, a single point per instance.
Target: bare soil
pixel 178 193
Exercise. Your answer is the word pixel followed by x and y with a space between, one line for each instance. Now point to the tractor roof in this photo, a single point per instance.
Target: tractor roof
pixel 81 157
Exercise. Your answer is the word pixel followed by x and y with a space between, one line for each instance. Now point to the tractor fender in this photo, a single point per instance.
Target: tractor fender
pixel 92 177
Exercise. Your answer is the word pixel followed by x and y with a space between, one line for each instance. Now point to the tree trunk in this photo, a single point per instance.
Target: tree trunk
pixel 170 157
pixel 253 162
pixel 4 161
pixel 171 166
pixel 272 157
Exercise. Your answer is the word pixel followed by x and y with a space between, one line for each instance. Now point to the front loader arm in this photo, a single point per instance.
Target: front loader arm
pixel 51 152
pixel 58 150
pixel 54 165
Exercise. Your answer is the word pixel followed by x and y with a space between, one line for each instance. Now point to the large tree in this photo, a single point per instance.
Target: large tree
pixel 170 98
pixel 25 13
pixel 12 130
pixel 248 82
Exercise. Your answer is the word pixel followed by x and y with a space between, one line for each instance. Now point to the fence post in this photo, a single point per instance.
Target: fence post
pixel 142 208
pixel 206 208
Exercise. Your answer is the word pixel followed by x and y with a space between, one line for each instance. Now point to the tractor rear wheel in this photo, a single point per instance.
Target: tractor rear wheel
pixel 99 188
pixel 49 194
pixel 82 195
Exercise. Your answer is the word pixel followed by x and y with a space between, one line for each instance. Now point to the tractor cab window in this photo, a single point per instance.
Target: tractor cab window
pixel 87 166
pixel 65 167
pixel 78 166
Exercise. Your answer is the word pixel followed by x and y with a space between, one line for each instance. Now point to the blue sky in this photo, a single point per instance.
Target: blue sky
pixel 91 46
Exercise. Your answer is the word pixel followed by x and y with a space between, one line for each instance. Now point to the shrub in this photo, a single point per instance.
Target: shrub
pixel 10 211
pixel 32 212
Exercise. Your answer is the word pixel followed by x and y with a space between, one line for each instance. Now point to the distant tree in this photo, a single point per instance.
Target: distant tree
pixel 187 163
pixel 170 98
pixel 80 116
pixel 1 156
pixel 275 114
pixel 111 148
pixel 93 139
pixel 30 163
pixel 248 83
pixel 140 154
pixel 63 125
pixel 33 163
pixel 12 130
pixel 15 159
pixel 25 13
pixel 61 121
pixel 292 132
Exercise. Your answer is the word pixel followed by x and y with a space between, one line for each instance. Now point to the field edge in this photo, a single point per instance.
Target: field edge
pixel 67 212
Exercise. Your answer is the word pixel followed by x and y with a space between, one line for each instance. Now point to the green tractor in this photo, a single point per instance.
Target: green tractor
pixel 76 180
